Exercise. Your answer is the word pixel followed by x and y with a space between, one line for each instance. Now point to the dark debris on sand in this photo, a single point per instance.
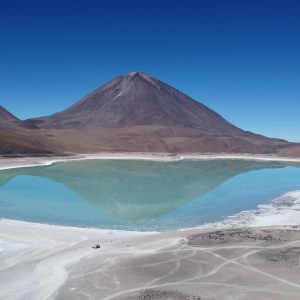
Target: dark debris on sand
pixel 153 294
pixel 239 234
pixel 289 257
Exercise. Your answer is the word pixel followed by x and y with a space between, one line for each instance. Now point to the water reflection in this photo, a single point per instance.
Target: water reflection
pixel 137 191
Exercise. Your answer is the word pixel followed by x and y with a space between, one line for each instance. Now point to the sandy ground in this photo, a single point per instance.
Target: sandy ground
pixel 52 262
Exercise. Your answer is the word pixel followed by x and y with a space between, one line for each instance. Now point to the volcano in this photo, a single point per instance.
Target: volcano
pixel 138 113
pixel 139 100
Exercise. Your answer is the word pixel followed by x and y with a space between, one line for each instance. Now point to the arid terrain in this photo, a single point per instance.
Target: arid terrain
pixel 133 113
pixel 238 263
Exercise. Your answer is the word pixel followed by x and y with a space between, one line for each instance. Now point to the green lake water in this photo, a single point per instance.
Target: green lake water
pixel 142 195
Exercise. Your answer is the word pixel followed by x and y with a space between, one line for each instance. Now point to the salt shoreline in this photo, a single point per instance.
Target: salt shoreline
pixel 40 261
pixel 42 246
pixel 22 162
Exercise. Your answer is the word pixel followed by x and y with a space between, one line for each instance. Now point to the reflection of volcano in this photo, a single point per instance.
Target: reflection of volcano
pixel 136 191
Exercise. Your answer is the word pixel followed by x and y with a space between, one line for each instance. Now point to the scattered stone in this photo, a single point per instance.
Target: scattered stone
pixel 239 235
pixel 153 294
pixel 288 257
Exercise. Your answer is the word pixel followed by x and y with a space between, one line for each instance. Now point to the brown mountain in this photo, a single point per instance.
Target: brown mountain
pixel 138 113
pixel 6 115
pixel 16 140
pixel 138 99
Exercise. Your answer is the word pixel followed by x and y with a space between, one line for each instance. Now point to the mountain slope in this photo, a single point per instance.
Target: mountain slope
pixel 16 140
pixel 138 99
pixel 6 115
pixel 136 113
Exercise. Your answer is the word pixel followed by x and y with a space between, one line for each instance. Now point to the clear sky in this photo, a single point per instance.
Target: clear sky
pixel 241 58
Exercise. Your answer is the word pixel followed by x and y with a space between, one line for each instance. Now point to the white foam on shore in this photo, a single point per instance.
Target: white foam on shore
pixel 27 162
pixel 282 211
pixel 38 164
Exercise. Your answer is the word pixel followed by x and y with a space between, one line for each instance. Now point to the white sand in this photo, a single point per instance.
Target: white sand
pixel 12 163
pixel 34 258
pixel 40 262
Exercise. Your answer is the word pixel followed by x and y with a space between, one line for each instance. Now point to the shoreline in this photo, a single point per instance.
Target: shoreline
pixel 24 162
pixel 44 246
pixel 189 262
pixel 47 261
pixel 282 211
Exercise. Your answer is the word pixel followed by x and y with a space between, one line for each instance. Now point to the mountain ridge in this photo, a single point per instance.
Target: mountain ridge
pixel 153 110
pixel 7 116
pixel 139 113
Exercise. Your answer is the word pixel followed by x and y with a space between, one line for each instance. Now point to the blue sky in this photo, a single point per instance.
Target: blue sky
pixel 241 58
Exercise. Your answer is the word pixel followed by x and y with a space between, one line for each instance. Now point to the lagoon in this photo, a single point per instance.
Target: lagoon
pixel 144 195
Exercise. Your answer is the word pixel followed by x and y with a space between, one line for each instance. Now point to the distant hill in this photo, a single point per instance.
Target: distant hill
pixel 6 115
pixel 138 113
pixel 17 140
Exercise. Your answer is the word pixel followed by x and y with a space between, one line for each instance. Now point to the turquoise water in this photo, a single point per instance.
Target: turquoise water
pixel 142 195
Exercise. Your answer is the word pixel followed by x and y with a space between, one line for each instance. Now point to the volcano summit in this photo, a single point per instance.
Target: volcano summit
pixel 137 113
